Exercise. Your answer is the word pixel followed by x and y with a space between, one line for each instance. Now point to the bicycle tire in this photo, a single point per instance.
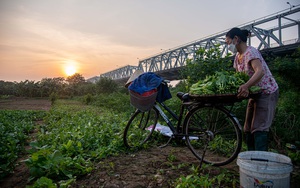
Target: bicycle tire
pixel 213 132
pixel 140 128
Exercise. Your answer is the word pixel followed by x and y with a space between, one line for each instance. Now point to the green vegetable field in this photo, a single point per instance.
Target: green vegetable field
pixel 74 138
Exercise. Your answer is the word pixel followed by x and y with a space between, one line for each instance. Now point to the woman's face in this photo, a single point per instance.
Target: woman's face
pixel 229 40
pixel 231 45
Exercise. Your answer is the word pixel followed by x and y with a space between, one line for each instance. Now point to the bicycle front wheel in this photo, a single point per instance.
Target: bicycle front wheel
pixel 213 134
pixel 140 128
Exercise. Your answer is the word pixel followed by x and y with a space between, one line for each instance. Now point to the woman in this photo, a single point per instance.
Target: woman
pixel 261 109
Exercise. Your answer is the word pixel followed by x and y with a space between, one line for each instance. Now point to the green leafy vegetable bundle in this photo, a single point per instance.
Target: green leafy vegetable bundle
pixel 221 83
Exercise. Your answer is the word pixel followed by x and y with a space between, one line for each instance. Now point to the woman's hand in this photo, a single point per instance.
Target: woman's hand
pixel 243 91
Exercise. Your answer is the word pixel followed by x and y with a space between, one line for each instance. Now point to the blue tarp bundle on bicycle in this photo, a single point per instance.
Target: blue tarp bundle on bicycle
pixel 149 81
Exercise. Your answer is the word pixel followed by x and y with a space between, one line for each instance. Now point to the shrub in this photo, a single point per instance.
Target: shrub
pixel 119 102
pixel 87 98
pixel 285 127
pixel 53 97
pixel 286 70
pixel 106 85
pixel 206 62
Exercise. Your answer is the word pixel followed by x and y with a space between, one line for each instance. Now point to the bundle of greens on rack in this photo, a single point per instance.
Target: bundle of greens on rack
pixel 226 82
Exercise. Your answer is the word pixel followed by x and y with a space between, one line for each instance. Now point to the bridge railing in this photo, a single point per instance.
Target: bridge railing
pixel 261 38
pixel 123 72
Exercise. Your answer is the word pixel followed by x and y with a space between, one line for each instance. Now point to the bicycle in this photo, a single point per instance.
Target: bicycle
pixel 211 131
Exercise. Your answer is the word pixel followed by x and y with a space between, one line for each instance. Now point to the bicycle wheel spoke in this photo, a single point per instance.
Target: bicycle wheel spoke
pixel 139 128
pixel 140 124
pixel 143 120
pixel 215 127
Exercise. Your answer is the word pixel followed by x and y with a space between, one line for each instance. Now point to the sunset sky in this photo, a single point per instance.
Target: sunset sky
pixel 50 38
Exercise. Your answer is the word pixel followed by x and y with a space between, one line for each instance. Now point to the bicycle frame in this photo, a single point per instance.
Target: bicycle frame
pixel 176 131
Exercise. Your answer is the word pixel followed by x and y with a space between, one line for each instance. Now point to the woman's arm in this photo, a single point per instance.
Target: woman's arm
pixel 258 74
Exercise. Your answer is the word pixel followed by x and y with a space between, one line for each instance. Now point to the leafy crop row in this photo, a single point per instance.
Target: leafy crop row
pixel 15 125
pixel 73 136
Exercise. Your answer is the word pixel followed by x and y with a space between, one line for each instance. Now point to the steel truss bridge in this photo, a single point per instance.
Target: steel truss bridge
pixel 266 39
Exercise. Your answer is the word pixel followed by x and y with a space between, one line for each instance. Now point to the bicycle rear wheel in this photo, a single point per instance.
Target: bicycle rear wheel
pixel 213 134
pixel 140 128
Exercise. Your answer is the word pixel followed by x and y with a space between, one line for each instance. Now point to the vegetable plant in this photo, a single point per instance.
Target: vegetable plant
pixel 225 82
pixel 15 126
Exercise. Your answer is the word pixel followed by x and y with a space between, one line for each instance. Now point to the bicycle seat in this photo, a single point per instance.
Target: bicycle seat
pixel 183 96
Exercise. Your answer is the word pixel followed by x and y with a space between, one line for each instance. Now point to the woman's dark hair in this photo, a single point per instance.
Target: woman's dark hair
pixel 242 34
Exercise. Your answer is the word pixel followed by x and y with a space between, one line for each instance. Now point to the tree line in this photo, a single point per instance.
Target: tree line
pixel 74 85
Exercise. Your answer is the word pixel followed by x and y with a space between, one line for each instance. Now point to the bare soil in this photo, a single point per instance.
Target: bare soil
pixel 155 167
pixel 21 103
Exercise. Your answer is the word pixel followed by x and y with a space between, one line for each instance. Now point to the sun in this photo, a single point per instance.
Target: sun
pixel 70 67
pixel 70 70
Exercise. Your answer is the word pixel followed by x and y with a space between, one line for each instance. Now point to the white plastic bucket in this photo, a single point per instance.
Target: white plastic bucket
pixel 261 169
